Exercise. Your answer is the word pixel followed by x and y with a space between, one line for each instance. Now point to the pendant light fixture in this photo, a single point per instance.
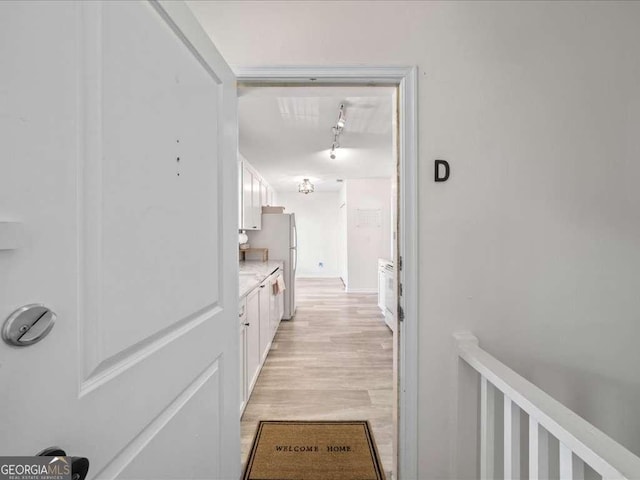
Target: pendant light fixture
pixel 305 187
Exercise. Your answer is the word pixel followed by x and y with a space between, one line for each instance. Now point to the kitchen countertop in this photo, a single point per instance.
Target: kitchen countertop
pixel 253 273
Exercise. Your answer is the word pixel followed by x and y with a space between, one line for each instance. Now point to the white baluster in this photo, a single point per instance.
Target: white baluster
pixel 511 440
pixel 566 462
pixel 508 440
pixel 534 447
pixel 487 429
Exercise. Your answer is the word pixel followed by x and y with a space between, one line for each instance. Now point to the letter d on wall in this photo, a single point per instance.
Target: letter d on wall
pixel 437 177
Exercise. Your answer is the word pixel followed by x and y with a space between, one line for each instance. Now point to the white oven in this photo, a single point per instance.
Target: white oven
pixel 389 295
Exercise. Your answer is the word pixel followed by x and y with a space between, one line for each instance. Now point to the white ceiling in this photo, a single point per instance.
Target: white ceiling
pixel 285 133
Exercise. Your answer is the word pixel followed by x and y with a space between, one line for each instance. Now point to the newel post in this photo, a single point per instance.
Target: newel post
pixel 464 406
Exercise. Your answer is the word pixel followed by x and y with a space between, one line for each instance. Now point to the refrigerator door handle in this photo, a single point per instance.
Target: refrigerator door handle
pixel 295 242
pixel 295 260
pixel 295 236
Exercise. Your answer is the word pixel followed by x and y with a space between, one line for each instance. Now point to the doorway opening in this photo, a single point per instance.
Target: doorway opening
pixel 397 305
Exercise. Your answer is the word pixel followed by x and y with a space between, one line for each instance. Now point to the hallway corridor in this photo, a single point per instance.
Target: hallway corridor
pixel 332 361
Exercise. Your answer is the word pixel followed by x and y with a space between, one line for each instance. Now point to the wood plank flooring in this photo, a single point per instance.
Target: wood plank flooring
pixel 333 361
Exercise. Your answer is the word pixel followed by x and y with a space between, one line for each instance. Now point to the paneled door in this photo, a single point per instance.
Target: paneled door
pixel 119 142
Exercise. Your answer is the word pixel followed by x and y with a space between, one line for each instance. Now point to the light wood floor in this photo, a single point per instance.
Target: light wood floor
pixel 333 361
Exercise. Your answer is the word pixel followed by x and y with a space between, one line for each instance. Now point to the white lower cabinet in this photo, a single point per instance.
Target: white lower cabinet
pixel 260 314
pixel 243 353
pixel 253 339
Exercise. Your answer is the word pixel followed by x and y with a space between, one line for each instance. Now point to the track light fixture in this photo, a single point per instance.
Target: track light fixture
pixel 341 118
pixel 337 131
pixel 334 145
pixel 305 187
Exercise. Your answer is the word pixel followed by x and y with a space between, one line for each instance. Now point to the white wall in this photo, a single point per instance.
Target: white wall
pixel 367 243
pixel 317 216
pixel 533 243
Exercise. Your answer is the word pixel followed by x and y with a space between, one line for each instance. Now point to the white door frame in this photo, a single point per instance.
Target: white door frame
pixel 406 80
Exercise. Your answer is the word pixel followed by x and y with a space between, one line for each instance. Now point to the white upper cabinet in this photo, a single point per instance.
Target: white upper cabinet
pixel 256 206
pixel 246 199
pixel 263 194
pixel 254 194
pixel 241 192
pixel 253 354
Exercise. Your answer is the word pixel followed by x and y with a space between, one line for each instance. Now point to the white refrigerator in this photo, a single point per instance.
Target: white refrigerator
pixel 278 234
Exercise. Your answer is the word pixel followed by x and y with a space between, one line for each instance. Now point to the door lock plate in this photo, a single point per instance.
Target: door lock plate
pixel 28 325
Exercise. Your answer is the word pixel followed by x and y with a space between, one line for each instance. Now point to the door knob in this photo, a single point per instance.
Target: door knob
pixel 79 465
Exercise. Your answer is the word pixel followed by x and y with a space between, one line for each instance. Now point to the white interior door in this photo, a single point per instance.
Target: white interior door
pixel 118 125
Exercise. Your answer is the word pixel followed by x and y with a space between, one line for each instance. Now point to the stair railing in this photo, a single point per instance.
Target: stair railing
pixel 581 446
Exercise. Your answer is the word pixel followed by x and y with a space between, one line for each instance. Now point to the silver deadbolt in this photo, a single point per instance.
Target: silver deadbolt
pixel 28 325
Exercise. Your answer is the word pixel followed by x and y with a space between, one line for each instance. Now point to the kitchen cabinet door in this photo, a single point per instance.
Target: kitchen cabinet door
pixel 263 195
pixel 265 327
pixel 240 194
pixel 253 338
pixel 247 199
pixel 243 354
pixel 243 367
pixel 256 207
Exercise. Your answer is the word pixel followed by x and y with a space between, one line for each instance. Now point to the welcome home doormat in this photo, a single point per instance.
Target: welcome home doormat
pixel 314 450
